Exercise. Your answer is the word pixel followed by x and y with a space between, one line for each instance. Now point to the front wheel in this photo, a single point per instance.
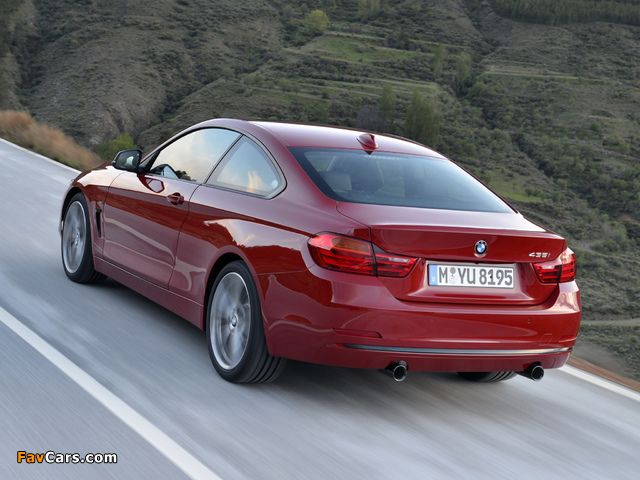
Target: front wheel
pixel 77 257
pixel 487 376
pixel 235 334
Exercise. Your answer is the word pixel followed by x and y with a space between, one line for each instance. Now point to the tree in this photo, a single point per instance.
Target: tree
pixel 388 106
pixel 437 63
pixel 462 77
pixel 316 22
pixel 228 73
pixel 285 84
pixel 108 150
pixel 368 9
pixel 318 112
pixel 423 122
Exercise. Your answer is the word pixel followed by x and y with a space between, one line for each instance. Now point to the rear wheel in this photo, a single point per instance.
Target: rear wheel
pixel 77 258
pixel 487 376
pixel 235 333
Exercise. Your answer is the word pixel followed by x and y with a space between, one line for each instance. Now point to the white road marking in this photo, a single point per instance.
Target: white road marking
pixel 601 382
pixel 152 434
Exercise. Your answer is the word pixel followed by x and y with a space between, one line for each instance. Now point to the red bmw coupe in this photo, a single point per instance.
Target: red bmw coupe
pixel 326 245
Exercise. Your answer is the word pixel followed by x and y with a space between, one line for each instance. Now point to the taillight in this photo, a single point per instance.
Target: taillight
pixel 347 254
pixel 562 269
pixel 389 265
pixel 342 253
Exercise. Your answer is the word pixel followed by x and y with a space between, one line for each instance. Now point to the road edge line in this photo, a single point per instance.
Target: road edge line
pixel 143 427
pixel 26 150
pixel 601 382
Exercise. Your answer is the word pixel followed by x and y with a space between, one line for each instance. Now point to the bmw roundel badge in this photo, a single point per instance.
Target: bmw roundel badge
pixel 480 248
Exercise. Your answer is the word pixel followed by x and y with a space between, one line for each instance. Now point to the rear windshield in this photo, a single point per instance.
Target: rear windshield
pixel 396 179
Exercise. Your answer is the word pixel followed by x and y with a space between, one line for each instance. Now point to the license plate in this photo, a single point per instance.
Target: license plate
pixel 484 276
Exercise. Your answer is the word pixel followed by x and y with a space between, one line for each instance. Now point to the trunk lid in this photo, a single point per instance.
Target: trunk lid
pixel 448 238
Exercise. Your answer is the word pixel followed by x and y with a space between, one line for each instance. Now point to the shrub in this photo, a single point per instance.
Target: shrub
pixel 108 150
pixel 316 22
pixel 21 129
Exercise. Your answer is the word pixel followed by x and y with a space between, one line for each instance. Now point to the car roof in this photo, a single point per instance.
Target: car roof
pixel 321 136
pixel 304 135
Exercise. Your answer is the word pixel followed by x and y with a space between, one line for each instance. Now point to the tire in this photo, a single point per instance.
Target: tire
pixel 487 376
pixel 235 333
pixel 77 257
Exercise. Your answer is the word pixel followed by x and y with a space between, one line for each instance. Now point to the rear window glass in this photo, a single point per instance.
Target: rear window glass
pixel 396 179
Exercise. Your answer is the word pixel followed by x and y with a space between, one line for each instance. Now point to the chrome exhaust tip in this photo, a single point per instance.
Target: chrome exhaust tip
pixel 397 370
pixel 535 372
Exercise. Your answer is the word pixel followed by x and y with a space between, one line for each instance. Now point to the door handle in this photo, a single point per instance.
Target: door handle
pixel 175 199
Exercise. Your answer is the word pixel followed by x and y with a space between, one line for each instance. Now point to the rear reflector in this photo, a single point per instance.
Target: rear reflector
pixel 347 254
pixel 562 269
pixel 357 333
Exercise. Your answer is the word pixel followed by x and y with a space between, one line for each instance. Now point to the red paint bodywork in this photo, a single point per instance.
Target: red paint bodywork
pixel 171 253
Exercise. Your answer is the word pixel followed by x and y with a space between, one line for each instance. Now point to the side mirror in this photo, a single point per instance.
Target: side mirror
pixel 128 160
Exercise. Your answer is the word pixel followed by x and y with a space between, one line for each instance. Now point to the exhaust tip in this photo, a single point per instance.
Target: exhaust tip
pixel 397 370
pixel 534 372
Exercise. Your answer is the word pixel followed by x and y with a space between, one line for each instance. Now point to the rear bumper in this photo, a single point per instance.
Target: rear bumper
pixel 442 360
pixel 350 320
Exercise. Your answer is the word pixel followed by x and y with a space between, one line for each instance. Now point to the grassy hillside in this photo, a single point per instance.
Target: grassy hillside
pixel 99 69
pixel 546 113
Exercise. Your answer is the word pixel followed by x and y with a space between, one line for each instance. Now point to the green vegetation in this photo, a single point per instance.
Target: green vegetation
pixel 462 77
pixel 108 150
pixel 8 67
pixel 7 7
pixel 622 340
pixel 316 22
pixel 437 63
pixel 388 107
pixel 423 122
pixel 570 11
pixel 368 9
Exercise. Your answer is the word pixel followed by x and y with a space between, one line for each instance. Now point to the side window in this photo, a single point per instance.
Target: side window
pixel 247 168
pixel 193 156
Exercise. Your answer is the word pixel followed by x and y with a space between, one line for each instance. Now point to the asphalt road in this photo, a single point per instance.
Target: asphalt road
pixel 100 369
